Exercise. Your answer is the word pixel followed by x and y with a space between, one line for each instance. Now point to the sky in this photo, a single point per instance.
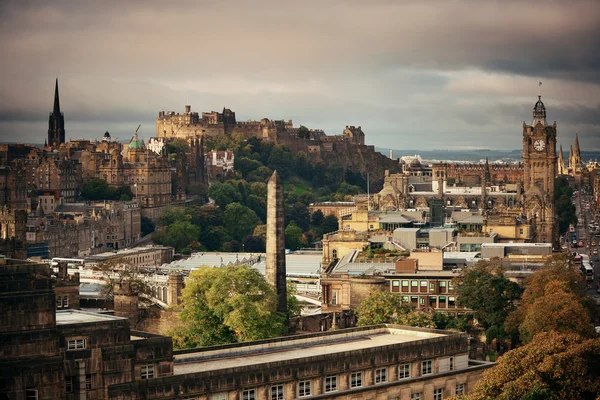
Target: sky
pixel 419 74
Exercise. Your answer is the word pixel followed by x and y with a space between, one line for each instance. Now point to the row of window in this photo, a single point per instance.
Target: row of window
pixel 424 285
pixel 356 381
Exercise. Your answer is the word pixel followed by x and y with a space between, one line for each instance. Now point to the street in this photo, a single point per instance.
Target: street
pixel 585 207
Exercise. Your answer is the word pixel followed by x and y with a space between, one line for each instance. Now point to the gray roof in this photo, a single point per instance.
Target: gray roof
pixel 397 219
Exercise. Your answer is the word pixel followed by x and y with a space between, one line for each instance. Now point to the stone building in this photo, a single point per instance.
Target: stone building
pixel 143 256
pixel 66 288
pixel 219 163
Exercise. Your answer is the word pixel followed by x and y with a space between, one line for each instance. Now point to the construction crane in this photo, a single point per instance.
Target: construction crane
pixel 138 128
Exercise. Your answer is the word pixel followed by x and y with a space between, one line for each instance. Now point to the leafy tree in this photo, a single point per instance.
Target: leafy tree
pixel 200 190
pixel 484 290
pixel 239 220
pixel 214 237
pixel 558 310
pixel 330 224
pixel 303 166
pixel 245 165
pixel 298 213
pixel 293 236
pixel 173 214
pixel 565 209
pixel 445 321
pixel 293 305
pixel 553 366
pixel 98 189
pixel 558 268
pixel 303 132
pixel 253 244
pixel 282 160
pixel 388 308
pixel 224 194
pixel 177 145
pixel 180 234
pixel 227 305
pixel 317 218
pixel 147 226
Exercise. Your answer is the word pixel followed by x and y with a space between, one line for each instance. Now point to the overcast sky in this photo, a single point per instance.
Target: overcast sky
pixel 414 74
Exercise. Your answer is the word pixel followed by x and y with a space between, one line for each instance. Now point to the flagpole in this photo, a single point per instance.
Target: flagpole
pixel 540 89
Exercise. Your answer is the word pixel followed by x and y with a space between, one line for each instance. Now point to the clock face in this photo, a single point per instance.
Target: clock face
pixel 539 145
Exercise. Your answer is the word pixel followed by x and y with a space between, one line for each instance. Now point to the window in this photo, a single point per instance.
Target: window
pixel 424 284
pixel 59 302
pixel 277 392
pixel 66 301
pixel 219 396
pixel 426 367
pixel 249 394
pixel 31 394
pixel 75 344
pixel 356 379
pixel 451 301
pixel 405 284
pixel 303 388
pixel 381 375
pixel 438 394
pixel 395 283
pixel 414 285
pixel 415 396
pixel 520 231
pixel 431 286
pixel 404 371
pixel 421 301
pixel 460 388
pixel 69 384
pixel 330 383
pixel 147 371
pixel 88 382
pixel 334 297
pixel 451 363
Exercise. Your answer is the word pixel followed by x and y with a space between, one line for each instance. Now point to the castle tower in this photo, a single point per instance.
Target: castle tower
pixel 539 161
pixel 56 123
pixel 275 268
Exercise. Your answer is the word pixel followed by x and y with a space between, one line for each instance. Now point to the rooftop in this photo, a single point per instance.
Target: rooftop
pixel 124 252
pixel 69 317
pixel 298 347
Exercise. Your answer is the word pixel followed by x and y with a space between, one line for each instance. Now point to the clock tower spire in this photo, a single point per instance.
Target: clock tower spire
pixel 539 163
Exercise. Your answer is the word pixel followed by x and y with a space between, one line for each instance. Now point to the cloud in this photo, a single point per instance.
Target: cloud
pixel 412 73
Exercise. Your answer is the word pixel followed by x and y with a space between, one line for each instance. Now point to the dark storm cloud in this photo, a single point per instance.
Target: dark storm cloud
pixel 412 73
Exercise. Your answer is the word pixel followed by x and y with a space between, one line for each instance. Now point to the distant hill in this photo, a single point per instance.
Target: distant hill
pixel 474 155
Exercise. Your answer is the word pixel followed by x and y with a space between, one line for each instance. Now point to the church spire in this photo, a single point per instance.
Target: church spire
pixel 56 122
pixel 56 108
pixel 576 148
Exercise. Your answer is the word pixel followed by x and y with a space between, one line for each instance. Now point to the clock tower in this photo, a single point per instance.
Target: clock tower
pixel 539 163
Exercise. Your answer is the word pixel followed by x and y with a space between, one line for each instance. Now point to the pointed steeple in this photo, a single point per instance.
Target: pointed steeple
pixel 571 157
pixel 576 148
pixel 56 108
pixel 561 162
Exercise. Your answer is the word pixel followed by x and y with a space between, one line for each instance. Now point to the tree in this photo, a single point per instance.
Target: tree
pixel 388 308
pixel 282 160
pixel 558 310
pixel 180 234
pixel 489 294
pixel 147 226
pixel 245 165
pixel 303 132
pixel 173 214
pixel 298 213
pixel 227 305
pixel 330 224
pixel 239 220
pixel 118 272
pixel 565 209
pixel 224 194
pixel 317 218
pixel 293 237
pixel 253 244
pixel 98 189
pixel 553 366
pixel 559 269
pixel 293 305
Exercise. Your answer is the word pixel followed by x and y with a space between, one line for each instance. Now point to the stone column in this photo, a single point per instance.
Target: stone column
pixel 174 287
pixel 275 268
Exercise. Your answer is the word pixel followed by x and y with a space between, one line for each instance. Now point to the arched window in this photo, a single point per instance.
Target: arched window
pixel 164 296
pixel 334 253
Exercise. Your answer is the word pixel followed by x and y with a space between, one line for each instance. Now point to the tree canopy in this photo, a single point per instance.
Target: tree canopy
pixel 388 308
pixel 488 293
pixel 554 366
pixel 98 189
pixel 227 305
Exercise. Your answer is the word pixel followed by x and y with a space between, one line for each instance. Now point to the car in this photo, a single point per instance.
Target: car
pixel 595 251
pixel 593 243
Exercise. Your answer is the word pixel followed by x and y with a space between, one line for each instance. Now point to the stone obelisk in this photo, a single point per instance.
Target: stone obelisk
pixel 275 269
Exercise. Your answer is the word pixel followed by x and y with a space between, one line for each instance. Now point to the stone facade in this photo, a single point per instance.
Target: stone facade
pixel 275 264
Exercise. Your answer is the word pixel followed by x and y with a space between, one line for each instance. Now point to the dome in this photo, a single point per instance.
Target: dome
pixel 539 112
